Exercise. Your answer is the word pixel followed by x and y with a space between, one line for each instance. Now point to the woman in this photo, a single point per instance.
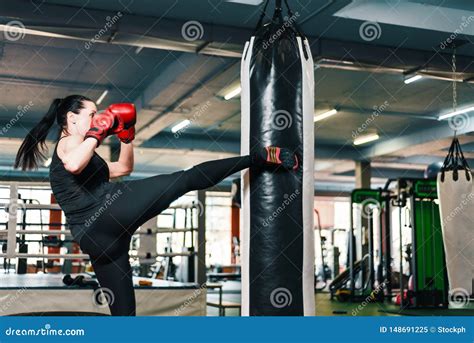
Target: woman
pixel 104 215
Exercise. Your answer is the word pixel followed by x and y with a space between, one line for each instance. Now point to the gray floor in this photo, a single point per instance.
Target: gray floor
pixel 326 307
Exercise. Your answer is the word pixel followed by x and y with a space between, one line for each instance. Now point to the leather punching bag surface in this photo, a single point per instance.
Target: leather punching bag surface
pixel 277 205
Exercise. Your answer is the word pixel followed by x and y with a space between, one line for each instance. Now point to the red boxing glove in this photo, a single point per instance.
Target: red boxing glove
pixel 101 126
pixel 125 116
pixel 127 135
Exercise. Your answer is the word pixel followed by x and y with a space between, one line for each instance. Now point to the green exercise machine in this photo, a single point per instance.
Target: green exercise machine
pixel 395 247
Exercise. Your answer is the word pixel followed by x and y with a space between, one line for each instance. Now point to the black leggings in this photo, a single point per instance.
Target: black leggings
pixel 131 204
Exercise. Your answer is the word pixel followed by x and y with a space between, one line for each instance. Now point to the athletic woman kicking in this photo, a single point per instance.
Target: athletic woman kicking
pixel 103 215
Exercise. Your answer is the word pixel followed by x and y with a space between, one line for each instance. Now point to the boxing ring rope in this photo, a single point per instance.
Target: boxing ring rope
pixel 86 257
pixel 52 256
pixel 40 232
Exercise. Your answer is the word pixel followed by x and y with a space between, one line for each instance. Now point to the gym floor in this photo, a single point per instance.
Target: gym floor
pixel 326 307
pixel 390 112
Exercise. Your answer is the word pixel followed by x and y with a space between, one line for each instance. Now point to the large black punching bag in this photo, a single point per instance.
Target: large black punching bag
pixel 277 205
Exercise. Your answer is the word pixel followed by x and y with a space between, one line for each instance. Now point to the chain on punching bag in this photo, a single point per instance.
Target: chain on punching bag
pixel 277 205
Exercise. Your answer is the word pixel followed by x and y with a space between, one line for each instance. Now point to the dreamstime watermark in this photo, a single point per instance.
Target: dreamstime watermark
pixel 13 208
pixel 466 21
pixel 467 198
pixel 199 206
pixel 368 207
pixel 377 110
pixel 281 297
pixel 11 299
pixel 196 115
pixel 192 30
pixel 370 30
pixel 280 120
pixel 103 297
pixel 458 298
pixel 189 300
pixel 288 200
pixel 459 122
pixel 287 23
pixel 108 202
pixel 46 331
pixel 109 23
pixel 21 111
pixel 370 298
pixel 14 30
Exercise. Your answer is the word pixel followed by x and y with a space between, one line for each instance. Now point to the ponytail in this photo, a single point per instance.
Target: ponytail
pixel 33 148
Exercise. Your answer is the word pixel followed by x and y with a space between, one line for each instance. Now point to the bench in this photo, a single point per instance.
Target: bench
pixel 221 305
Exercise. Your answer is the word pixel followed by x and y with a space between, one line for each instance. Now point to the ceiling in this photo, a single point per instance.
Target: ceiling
pixel 144 58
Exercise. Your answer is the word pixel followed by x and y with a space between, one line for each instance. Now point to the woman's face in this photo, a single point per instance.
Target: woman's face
pixel 81 122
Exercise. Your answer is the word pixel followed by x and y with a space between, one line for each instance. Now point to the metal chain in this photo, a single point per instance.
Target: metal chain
pixel 455 94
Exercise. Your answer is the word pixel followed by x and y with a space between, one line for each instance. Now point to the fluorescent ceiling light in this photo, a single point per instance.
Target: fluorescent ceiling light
pixel 325 115
pixel 180 125
pixel 24 31
pixel 102 97
pixel 247 2
pixel 412 78
pixel 234 92
pixel 452 114
pixel 366 139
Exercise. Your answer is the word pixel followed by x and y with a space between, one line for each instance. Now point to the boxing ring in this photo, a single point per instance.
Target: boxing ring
pixel 44 293
pixel 47 294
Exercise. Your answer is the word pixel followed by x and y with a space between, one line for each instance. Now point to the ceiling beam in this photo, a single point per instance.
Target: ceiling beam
pixel 433 138
pixel 147 116
pixel 15 80
pixel 365 111
pixel 186 65
pixel 218 40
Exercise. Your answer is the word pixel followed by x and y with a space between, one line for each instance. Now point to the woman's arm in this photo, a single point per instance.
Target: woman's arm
pixel 124 165
pixel 76 152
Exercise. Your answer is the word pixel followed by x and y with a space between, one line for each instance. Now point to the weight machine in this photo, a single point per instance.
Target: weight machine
pixel 397 226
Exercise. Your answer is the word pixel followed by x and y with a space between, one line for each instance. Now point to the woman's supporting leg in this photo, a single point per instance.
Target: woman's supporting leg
pixel 115 279
pixel 110 260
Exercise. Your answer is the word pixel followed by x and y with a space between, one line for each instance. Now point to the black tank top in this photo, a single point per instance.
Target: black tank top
pixel 79 195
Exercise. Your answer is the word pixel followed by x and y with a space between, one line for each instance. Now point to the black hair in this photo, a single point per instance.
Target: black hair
pixel 33 148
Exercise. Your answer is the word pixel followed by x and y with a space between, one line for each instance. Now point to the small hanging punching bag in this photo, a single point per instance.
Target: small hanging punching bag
pixel 456 204
pixel 277 238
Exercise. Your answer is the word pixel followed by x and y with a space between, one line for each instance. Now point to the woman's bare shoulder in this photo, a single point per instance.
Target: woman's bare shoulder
pixel 67 143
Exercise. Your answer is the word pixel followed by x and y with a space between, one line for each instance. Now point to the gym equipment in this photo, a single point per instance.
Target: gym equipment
pixel 417 199
pixel 397 226
pixel 185 270
pixel 224 273
pixel 338 285
pixel 324 273
pixel 455 195
pixel 15 238
pixel 277 235
pixel 368 265
pixel 334 251
pixel 80 281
